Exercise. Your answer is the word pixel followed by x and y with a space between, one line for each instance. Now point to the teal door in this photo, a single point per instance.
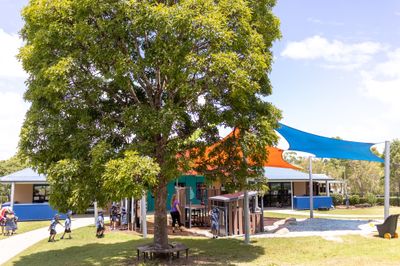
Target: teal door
pixel 184 181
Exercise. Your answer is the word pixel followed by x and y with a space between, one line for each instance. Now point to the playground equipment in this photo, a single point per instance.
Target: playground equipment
pixel 231 218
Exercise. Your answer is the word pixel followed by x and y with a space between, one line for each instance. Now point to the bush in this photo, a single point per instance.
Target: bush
pixel 371 199
pixel 337 199
pixel 363 200
pixel 354 199
pixel 393 201
pixel 380 201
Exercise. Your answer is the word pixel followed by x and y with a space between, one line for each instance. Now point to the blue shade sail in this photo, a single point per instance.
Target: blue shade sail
pixel 324 147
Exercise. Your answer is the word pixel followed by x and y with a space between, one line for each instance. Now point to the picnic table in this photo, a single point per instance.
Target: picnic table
pixel 148 251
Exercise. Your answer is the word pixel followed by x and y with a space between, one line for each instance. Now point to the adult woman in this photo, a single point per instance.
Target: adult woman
pixel 175 213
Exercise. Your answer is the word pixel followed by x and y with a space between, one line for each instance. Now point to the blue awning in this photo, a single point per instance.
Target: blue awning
pixel 324 147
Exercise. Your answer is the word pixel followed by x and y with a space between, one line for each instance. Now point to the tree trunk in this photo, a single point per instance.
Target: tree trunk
pixel 160 215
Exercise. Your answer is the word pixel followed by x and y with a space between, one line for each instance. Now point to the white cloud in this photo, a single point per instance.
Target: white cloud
pixel 12 105
pixel 321 22
pixel 12 112
pixel 382 82
pixel 333 54
pixel 9 65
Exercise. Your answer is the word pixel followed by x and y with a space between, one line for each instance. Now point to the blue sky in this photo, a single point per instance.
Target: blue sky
pixel 336 69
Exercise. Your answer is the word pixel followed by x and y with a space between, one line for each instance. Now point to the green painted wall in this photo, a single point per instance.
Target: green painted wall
pixel 186 180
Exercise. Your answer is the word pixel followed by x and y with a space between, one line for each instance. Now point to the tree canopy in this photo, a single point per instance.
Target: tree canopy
pixel 154 77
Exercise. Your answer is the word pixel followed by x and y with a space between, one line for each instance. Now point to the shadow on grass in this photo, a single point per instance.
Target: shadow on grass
pixel 202 251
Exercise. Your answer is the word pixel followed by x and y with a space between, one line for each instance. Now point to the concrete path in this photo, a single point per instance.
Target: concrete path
pixel 15 244
pixel 293 212
pixel 327 228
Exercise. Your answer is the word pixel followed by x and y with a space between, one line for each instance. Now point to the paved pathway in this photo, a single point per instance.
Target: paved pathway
pixel 293 212
pixel 326 228
pixel 15 244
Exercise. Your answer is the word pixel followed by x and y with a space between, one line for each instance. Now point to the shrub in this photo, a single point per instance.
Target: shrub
pixel 363 200
pixel 354 199
pixel 337 199
pixel 371 199
pixel 380 201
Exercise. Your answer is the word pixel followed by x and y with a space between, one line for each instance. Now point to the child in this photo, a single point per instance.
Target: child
pixel 52 227
pixel 15 223
pixel 114 216
pixel 175 213
pixel 67 225
pixel 10 223
pixel 100 225
pixel 2 223
pixel 124 219
pixel 214 215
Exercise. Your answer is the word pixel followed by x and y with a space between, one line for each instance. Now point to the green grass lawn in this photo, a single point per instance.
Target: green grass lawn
pixel 364 213
pixel 29 226
pixel 119 249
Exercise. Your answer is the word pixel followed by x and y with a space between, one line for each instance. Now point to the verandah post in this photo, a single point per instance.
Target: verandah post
pixel 311 188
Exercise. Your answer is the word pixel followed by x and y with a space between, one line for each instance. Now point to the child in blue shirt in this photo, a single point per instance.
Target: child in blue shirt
pixel 100 225
pixel 214 216
pixel 124 219
pixel 11 223
pixel 52 227
pixel 67 225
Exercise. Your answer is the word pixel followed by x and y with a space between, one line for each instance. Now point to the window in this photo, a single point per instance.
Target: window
pixel 41 193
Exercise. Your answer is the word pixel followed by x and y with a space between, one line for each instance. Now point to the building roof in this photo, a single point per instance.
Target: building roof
pixel 27 175
pixel 232 197
pixel 285 174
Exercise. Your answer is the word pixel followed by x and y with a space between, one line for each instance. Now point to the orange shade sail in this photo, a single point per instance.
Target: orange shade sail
pixel 275 156
pixel 275 159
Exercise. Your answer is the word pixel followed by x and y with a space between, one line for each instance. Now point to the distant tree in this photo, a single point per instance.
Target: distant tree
pixel 365 177
pixel 154 77
pixel 395 165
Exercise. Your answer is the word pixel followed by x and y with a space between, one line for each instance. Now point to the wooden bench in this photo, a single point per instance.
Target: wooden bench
pixel 148 251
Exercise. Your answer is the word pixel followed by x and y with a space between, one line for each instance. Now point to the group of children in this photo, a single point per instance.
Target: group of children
pixel 8 221
pixel 119 218
pixel 67 226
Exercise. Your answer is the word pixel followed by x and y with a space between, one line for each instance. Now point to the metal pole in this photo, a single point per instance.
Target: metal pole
pixel 262 213
pixel 246 218
pixel 387 178
pixel 311 188
pixel 12 195
pixel 96 211
pixel 133 213
pixel 143 215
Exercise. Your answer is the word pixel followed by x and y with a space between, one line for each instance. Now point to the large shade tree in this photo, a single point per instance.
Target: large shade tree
pixel 154 77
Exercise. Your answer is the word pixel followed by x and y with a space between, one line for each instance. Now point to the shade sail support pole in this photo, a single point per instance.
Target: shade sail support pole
pixel 311 187
pixel 387 178
pixel 246 218
pixel 143 215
